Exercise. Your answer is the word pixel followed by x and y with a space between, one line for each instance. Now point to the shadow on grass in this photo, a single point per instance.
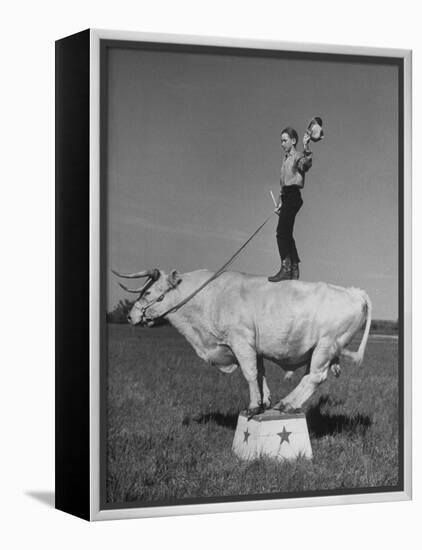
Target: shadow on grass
pixel 319 423
pixel 323 423
pixel 227 420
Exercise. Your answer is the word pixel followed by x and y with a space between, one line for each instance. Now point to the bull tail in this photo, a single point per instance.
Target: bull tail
pixel 357 356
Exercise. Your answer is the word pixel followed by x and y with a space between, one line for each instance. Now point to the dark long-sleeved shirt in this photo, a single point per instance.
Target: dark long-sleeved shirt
pixel 293 168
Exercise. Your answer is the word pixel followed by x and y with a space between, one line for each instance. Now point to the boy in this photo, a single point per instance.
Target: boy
pixel 292 179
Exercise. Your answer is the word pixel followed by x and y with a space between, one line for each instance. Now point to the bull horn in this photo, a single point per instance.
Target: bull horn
pixel 146 273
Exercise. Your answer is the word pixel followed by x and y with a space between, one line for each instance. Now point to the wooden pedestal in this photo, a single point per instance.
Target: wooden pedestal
pixel 273 434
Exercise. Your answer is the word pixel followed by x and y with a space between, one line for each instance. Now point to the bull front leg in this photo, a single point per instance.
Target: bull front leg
pixel 262 384
pixel 247 359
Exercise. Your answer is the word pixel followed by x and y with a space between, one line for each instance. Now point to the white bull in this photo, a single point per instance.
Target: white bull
pixel 240 319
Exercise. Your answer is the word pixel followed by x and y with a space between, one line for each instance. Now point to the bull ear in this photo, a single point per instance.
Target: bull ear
pixel 174 278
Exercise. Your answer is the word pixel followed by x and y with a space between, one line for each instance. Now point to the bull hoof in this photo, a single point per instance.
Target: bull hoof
pixel 254 411
pixel 286 408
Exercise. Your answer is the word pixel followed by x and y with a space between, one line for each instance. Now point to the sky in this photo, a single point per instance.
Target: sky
pixel 194 150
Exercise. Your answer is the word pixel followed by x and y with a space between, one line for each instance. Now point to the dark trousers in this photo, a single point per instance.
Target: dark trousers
pixel 290 206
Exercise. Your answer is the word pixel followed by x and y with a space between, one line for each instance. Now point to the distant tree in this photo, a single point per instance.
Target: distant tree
pixel 120 312
pixel 384 326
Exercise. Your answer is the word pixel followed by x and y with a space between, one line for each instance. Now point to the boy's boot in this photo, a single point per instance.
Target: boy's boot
pixel 285 272
pixel 294 271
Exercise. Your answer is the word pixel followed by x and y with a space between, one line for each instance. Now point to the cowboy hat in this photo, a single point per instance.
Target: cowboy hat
pixel 315 131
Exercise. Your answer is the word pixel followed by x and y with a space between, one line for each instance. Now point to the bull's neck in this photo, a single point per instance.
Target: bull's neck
pixel 188 319
pixel 185 317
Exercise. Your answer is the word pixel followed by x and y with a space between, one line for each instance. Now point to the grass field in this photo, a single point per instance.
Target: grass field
pixel 171 422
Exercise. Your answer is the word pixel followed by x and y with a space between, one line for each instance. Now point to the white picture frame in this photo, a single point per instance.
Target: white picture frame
pixel 87 502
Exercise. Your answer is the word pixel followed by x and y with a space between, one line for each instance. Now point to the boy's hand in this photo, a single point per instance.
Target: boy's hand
pixel 306 140
pixel 277 210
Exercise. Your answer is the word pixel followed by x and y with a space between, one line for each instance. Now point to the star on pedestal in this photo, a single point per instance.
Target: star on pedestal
pixel 284 435
pixel 246 435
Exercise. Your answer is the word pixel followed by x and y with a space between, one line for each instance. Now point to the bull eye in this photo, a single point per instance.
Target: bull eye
pixel 160 298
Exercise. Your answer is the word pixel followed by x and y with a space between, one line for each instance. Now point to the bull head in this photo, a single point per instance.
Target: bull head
pixel 153 300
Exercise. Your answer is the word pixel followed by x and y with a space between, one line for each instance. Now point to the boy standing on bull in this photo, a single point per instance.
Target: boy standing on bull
pixel 294 166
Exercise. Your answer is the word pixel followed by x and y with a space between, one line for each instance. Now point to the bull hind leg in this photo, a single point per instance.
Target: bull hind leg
pixel 335 367
pixel 321 360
